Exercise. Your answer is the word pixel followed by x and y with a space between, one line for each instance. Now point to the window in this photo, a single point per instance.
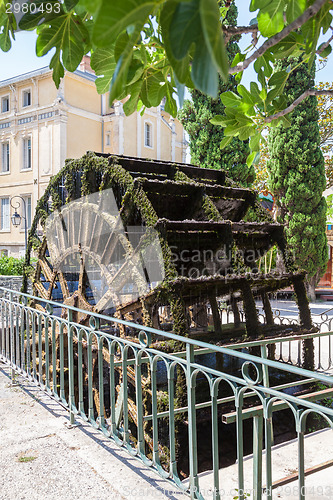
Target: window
pixel 4 214
pixel 4 252
pixel 148 135
pixel 5 104
pixel 107 140
pixel 27 153
pixel 26 98
pixel 27 200
pixel 5 157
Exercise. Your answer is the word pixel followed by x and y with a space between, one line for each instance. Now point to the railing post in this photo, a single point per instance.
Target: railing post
pixel 300 441
pixel 140 430
pixel 192 424
pixel 268 446
pixel 215 445
pixel 171 390
pixel 265 372
pixel 257 456
pixel 12 346
pixel 240 445
pixel 71 401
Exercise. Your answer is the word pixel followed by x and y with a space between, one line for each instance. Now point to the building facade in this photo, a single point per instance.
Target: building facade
pixel 41 126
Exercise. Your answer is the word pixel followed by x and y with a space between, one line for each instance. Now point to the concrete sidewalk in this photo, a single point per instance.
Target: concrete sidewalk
pixel 318 485
pixel 41 458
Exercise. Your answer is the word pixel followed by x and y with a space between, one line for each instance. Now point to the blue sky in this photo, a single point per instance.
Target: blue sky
pixel 22 58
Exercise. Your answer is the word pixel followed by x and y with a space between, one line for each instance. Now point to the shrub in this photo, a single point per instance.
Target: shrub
pixel 11 266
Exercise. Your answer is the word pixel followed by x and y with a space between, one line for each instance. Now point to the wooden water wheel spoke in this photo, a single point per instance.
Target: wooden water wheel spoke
pixel 110 247
pixel 82 275
pixel 43 293
pixel 96 237
pixel 46 268
pixel 63 285
pixel 61 231
pixel 71 226
pixel 106 300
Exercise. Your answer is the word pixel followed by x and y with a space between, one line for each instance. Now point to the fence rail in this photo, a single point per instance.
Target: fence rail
pixel 166 399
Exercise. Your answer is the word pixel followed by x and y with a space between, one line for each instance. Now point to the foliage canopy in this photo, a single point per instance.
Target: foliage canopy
pixel 149 49
pixel 205 138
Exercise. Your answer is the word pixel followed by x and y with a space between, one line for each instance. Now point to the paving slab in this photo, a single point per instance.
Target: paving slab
pixel 318 486
pixel 42 458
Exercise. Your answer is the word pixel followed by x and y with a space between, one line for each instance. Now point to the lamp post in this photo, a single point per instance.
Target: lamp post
pixel 17 218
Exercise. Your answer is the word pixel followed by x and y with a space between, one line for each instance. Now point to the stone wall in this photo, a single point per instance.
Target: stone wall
pixel 12 282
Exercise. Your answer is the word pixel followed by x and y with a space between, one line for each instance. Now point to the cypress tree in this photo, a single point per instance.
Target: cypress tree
pixel 297 176
pixel 205 138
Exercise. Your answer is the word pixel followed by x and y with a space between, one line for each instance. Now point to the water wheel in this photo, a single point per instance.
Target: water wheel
pixel 140 238
pixel 148 240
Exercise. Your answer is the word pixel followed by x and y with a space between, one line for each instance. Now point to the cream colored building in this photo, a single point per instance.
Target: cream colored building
pixel 41 126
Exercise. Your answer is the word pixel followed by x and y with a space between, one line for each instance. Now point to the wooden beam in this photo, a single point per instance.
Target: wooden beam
pixel 229 418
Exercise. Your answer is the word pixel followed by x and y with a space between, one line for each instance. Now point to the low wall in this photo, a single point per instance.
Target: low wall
pixel 12 282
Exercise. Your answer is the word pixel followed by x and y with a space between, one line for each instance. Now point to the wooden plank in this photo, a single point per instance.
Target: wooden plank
pixel 166 167
pixel 307 472
pixel 229 418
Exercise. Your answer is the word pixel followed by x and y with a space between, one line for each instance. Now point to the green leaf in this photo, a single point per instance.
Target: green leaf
pixel 295 8
pixel 181 68
pixel 265 61
pixel 68 34
pixel 180 91
pixel 5 41
pixel 250 159
pixel 211 26
pixel 170 103
pixel 130 106
pixel 185 28
pixel 116 15
pixel 277 81
pixel 258 4
pixel 225 141
pixel 326 52
pixel 285 121
pixel 91 6
pixel 204 73
pixel 255 142
pixel 324 17
pixel 292 44
pixel 247 96
pixel 230 100
pixel 270 17
pixel 218 120
pixel 70 4
pixel 135 71
pixel 58 69
pixel 119 77
pixel 152 89
pixel 255 91
pixel 120 45
pixel 104 64
pixel 32 19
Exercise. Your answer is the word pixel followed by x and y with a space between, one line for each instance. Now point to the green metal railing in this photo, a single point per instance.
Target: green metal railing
pixel 144 388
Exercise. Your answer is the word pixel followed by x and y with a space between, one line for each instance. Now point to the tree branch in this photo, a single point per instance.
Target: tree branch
pixel 307 14
pixel 239 30
pixel 230 31
pixel 324 45
pixel 293 105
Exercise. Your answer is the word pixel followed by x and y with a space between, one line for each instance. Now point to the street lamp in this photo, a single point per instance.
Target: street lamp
pixel 17 218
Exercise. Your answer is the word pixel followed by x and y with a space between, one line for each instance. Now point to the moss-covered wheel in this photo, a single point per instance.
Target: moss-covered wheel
pixel 155 242
pixel 103 219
